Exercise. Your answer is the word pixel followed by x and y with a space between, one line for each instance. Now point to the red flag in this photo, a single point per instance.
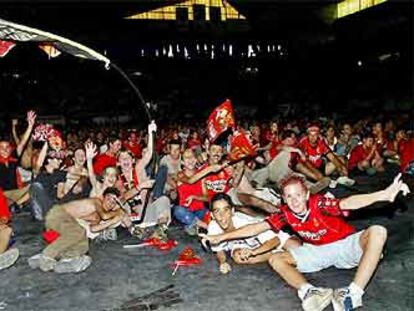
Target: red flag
pixel 5 47
pixel 221 119
pixel 240 146
pixel 50 50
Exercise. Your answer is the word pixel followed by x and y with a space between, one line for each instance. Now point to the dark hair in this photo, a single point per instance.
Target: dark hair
pixel 112 139
pixel 367 134
pixel 112 190
pixel 174 142
pixel 219 197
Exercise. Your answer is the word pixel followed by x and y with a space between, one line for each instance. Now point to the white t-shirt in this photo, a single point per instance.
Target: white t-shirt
pixel 241 220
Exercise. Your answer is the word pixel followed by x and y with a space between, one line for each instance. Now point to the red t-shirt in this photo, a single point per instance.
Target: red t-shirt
pixel 323 225
pixel 135 148
pixel 316 153
pixel 102 161
pixel 193 143
pixel 406 151
pixel 5 214
pixel 216 182
pixel 358 154
pixel 185 190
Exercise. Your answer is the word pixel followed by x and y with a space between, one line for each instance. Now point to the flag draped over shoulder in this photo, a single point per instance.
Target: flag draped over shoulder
pixel 240 146
pixel 48 42
pixel 220 120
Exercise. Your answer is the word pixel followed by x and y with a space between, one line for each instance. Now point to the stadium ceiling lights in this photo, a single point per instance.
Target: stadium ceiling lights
pixel 193 10
pixel 349 7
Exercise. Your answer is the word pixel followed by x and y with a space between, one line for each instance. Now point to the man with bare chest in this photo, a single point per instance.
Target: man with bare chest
pixel 68 252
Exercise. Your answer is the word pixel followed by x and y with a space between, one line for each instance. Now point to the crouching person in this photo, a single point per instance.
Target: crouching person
pixel 67 254
pixel 252 250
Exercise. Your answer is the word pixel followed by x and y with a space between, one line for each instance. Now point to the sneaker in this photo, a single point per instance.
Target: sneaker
pixel 160 233
pixel 191 230
pixel 138 232
pixel 73 265
pixel 110 234
pixel 346 181
pixel 8 258
pixel 343 300
pixel 320 185
pixel 34 261
pixel 317 299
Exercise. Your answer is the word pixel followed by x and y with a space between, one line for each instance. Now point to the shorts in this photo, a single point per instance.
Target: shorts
pixel 343 254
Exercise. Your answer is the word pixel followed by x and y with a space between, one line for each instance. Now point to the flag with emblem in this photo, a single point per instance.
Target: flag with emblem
pixel 240 146
pixel 220 120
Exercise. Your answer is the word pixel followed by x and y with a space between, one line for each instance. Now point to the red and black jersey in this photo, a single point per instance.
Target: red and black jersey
pixel 217 182
pixel 314 154
pixel 322 224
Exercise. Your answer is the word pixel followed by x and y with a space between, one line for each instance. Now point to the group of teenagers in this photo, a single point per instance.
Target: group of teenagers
pixel 266 207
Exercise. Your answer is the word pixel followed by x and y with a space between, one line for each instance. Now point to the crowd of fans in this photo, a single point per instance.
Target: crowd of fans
pixel 81 184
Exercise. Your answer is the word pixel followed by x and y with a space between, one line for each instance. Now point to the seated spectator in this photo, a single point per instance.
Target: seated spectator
pixel 48 186
pixel 10 180
pixel 320 156
pixel 67 254
pixel 190 210
pixel 365 158
pixel 109 174
pixel 346 141
pixel 133 144
pixel 104 160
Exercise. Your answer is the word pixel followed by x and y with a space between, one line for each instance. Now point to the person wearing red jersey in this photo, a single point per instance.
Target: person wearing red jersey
pixel 133 144
pixel 380 138
pixel 109 158
pixel 328 241
pixel 190 209
pixel 316 150
pixel 365 157
pixel 406 152
pixel 216 182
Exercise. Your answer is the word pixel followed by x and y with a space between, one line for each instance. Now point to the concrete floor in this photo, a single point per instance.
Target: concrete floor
pixel 140 279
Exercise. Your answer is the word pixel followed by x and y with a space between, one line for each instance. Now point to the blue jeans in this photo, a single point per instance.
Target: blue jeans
pixel 187 217
pixel 40 201
pixel 160 181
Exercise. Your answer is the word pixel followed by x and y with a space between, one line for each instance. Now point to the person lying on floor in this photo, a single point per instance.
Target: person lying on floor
pixel 328 241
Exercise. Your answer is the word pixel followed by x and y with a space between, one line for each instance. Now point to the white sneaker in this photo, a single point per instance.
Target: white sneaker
pixel 73 265
pixel 317 299
pixel 346 181
pixel 343 300
pixel 8 258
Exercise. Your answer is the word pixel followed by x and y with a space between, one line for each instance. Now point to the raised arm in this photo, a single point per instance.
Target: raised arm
pixel 215 168
pixel 388 194
pixel 90 149
pixel 31 119
pixel 243 232
pixel 14 131
pixel 41 158
pixel 147 156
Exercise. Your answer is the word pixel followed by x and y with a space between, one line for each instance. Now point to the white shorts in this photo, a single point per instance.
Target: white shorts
pixel 343 254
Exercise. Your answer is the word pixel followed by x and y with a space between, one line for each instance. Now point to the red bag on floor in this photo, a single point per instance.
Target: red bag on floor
pixel 50 236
